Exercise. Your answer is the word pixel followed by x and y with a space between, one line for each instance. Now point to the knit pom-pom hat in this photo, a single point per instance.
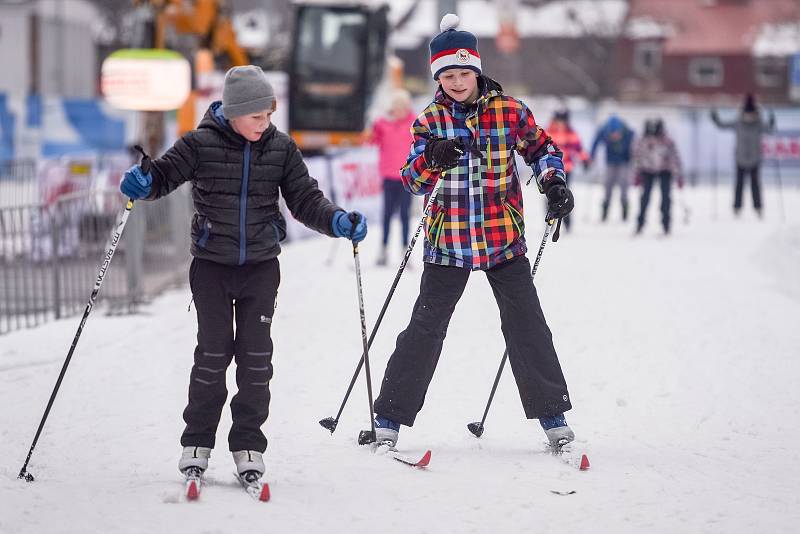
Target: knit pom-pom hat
pixel 453 49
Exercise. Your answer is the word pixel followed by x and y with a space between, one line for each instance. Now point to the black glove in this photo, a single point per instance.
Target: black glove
pixel 444 153
pixel 559 199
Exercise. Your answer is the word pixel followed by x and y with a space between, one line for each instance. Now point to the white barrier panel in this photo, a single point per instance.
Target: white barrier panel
pixel 350 179
pixel 783 147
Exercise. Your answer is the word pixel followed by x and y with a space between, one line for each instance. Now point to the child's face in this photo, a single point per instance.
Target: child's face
pixel 253 125
pixel 460 84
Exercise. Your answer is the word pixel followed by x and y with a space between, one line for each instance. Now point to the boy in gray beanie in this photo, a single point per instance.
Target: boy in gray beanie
pixel 239 164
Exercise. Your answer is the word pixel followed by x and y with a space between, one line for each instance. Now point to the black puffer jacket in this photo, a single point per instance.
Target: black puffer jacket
pixel 235 185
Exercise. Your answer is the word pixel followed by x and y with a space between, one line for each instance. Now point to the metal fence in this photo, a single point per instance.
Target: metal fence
pixel 17 182
pixel 50 255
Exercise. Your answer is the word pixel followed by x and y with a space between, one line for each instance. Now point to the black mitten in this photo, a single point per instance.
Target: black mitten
pixel 444 153
pixel 559 199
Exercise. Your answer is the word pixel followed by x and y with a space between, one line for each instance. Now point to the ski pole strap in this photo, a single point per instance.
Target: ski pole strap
pixel 145 162
pixel 557 233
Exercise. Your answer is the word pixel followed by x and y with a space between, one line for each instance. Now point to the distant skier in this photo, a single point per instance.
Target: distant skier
pixel 569 142
pixel 238 164
pixel 618 139
pixel 468 137
pixel 655 159
pixel 749 128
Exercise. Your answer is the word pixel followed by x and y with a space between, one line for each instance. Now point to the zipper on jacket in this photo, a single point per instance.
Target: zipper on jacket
pixel 515 214
pixel 243 205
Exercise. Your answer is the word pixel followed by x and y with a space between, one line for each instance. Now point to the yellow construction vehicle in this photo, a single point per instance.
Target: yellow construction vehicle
pixel 335 63
pixel 208 20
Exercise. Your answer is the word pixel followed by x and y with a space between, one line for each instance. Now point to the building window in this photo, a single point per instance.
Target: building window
pixel 706 72
pixel 647 59
pixel 770 71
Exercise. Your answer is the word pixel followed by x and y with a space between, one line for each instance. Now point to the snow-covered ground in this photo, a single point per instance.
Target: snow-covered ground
pixel 681 353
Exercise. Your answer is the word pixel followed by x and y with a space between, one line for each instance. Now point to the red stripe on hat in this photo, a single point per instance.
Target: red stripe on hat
pixel 452 51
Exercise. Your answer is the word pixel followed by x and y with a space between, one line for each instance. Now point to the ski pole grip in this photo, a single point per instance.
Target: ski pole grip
pixel 145 162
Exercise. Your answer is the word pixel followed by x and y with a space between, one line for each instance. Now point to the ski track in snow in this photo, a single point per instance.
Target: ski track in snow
pixel 681 355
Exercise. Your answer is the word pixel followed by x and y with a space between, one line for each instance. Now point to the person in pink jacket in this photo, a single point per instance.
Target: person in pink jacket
pixel 392 135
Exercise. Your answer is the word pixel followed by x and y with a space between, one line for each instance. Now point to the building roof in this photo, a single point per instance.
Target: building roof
pixel 565 18
pixel 726 27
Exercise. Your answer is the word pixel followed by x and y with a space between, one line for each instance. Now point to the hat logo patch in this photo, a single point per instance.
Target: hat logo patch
pixel 462 56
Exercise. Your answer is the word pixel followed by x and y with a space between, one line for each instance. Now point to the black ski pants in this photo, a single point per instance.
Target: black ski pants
pixel 224 294
pixel 755 186
pixel 533 358
pixel 665 181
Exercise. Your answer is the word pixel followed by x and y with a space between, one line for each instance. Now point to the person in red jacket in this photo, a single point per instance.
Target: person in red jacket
pixel 568 141
pixel 392 135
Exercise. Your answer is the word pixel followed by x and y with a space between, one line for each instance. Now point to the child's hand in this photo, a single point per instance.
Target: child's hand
pixel 444 153
pixel 136 183
pixel 351 225
pixel 560 200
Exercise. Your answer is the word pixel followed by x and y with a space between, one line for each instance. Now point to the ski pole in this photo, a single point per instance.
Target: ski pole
pixel 111 248
pixel 330 423
pixel 477 428
pixel 354 218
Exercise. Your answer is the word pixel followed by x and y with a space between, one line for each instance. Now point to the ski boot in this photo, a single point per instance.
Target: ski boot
pixel 194 460
pixel 386 432
pixel 557 432
pixel 249 465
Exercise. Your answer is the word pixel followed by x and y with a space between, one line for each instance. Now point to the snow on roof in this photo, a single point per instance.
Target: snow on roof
pixel 648 28
pixel 777 40
pixel 568 18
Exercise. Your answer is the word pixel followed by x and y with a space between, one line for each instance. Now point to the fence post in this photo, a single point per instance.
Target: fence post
pixel 52 215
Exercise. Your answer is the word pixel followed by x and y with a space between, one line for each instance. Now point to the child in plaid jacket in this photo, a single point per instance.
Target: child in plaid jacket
pixel 467 137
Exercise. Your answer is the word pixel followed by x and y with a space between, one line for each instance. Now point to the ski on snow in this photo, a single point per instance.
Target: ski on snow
pixel 254 486
pixel 367 437
pixel 421 463
pixel 568 455
pixel 194 478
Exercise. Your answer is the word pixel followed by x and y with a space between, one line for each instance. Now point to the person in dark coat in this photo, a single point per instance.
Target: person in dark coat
pixel 749 127
pixel 238 164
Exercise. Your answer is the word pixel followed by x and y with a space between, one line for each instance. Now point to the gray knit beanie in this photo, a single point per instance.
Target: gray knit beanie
pixel 246 90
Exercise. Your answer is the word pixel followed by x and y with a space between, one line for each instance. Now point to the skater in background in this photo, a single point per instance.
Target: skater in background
pixel 569 142
pixel 749 127
pixel 655 160
pixel 392 135
pixel 618 139
pixel 468 137
pixel 238 164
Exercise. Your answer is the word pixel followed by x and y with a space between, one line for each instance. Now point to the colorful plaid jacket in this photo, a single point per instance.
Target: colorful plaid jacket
pixel 477 219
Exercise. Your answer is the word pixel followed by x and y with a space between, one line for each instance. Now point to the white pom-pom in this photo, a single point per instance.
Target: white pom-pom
pixel 449 22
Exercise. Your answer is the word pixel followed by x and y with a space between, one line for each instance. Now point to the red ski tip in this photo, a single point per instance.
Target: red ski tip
pixel 192 492
pixel 425 460
pixel 584 463
pixel 264 497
